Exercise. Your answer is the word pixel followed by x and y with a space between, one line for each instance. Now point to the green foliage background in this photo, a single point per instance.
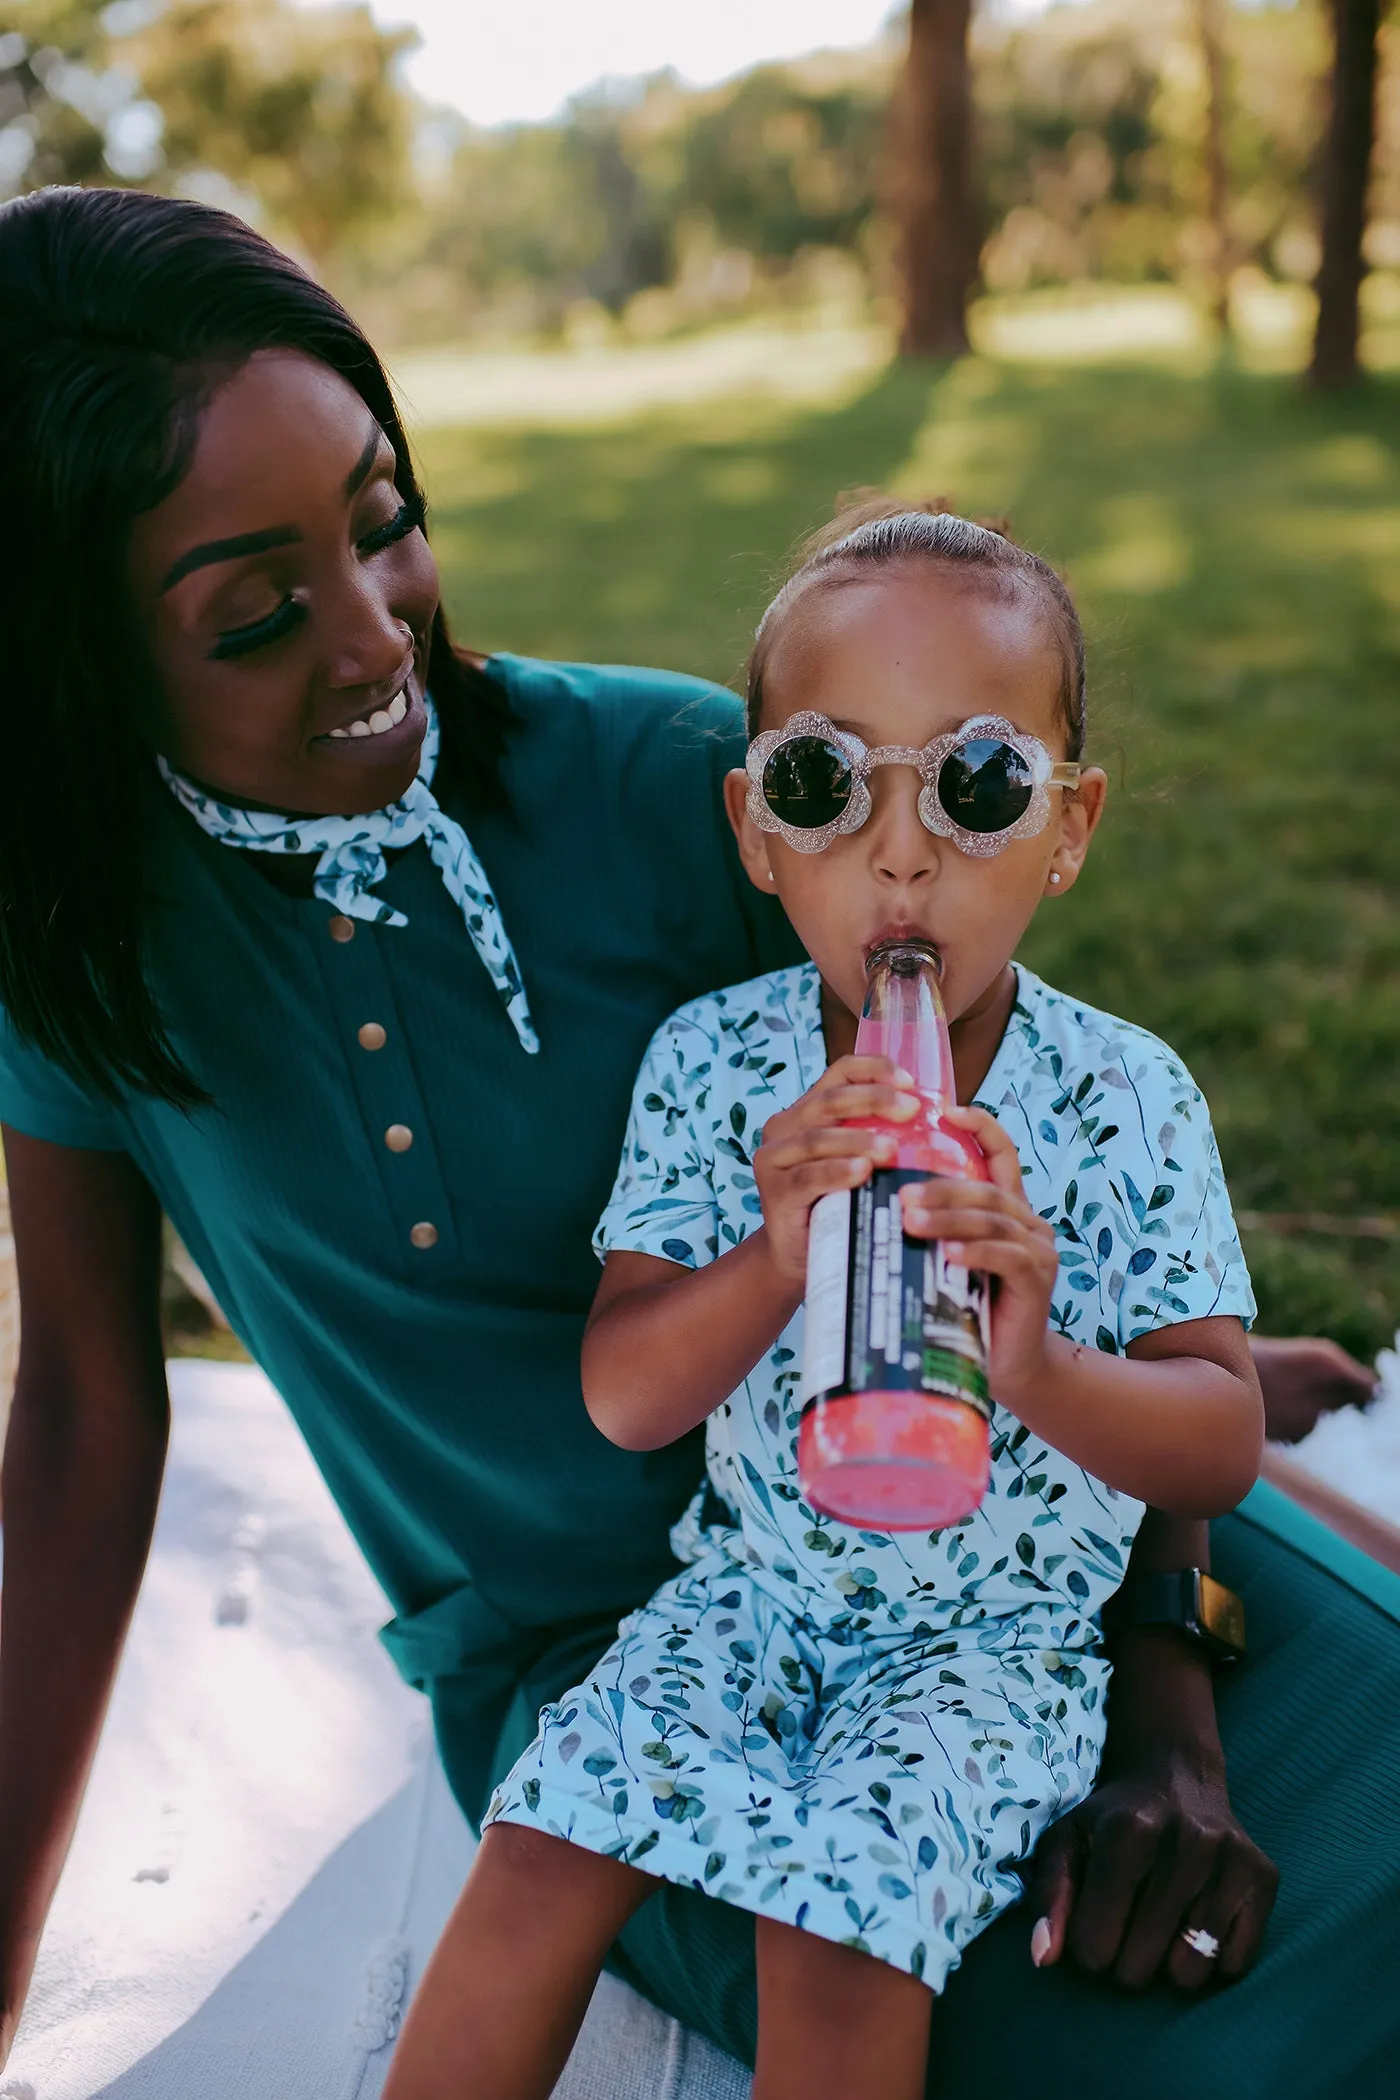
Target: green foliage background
pixel 1235 547
pixel 648 207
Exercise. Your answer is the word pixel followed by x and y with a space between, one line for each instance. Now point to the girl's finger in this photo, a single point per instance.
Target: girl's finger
pixel 941 1198
pixel 1012 1260
pixel 866 1103
pixel 1002 1159
pixel 978 1233
pixel 967 1221
pixel 848 1071
pixel 821 1177
pixel 850 1104
pixel 806 1145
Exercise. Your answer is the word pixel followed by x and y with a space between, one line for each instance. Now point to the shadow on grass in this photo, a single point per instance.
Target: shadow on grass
pixel 1235 547
pixel 658 541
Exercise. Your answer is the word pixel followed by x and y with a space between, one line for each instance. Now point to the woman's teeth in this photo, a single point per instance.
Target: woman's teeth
pixel 383 718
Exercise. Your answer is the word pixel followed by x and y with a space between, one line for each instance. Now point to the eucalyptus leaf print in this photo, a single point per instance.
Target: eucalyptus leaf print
pixel 860 1732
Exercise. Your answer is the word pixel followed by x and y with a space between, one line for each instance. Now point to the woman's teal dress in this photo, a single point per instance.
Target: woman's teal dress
pixel 421 1309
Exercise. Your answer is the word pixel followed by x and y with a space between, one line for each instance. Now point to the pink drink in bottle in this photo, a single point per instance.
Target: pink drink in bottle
pixel 896 1407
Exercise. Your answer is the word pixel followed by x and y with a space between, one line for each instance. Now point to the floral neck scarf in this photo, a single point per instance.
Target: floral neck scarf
pixel 352 851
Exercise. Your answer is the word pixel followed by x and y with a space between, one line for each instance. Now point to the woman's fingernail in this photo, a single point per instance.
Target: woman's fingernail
pixel 884 1148
pixel 901 1077
pixel 1040 1941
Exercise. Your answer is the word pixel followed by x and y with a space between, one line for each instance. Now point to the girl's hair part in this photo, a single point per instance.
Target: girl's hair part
pixel 873 531
pixel 119 313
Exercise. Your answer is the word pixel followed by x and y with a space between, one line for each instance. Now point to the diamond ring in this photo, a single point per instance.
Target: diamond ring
pixel 1202 1942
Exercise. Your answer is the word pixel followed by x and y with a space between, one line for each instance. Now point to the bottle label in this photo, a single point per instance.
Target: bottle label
pixel 885 1313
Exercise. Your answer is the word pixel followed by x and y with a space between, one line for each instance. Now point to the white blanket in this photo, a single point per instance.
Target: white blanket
pixel 268 1849
pixel 1360 1453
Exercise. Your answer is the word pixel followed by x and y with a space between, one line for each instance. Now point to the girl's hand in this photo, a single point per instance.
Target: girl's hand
pixel 810 1150
pixel 991 1226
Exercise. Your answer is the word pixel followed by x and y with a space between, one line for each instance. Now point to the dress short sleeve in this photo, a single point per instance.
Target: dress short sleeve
pixel 42 1101
pixel 663 1201
pixel 1184 1261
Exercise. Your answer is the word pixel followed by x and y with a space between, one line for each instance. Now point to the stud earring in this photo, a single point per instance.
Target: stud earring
pixel 1055 876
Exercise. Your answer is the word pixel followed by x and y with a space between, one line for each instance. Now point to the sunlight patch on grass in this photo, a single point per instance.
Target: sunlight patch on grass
pixel 1092 325
pixel 738 482
pixel 1143 551
pixel 568 389
pixel 1357 460
pixel 973 454
pixel 1333 536
pixel 1225 657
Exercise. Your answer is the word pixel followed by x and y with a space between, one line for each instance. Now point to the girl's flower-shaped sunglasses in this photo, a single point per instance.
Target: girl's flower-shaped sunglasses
pixel 984 783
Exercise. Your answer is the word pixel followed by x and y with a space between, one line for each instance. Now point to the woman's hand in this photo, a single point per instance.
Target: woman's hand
pixel 1117 1881
pixel 811 1149
pixel 1304 1377
pixel 991 1226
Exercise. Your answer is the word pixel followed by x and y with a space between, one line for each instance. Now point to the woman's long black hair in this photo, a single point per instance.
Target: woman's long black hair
pixel 116 311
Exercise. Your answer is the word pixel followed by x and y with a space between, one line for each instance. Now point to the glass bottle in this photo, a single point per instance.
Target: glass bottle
pixel 894 1433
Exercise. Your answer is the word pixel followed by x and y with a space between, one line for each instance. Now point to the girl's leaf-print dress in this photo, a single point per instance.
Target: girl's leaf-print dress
pixel 860 1732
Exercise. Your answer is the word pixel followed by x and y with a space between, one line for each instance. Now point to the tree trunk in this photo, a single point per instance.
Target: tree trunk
pixel 940 237
pixel 1208 26
pixel 1346 171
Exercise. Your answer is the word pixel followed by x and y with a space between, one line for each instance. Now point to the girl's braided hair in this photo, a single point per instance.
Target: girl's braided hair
pixel 872 531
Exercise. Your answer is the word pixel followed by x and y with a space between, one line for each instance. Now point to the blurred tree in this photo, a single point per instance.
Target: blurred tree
pixel 1209 31
pixel 68 111
pixel 780 162
pixel 301 110
pixel 535 217
pixel 1346 171
pixel 937 213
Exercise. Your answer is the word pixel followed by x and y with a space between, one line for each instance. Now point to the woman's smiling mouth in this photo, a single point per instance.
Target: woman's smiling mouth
pixel 378 721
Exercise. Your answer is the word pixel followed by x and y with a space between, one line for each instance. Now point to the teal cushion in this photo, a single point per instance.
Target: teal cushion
pixel 1311 1725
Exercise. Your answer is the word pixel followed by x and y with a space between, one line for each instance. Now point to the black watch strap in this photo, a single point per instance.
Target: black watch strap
pixel 1188 1599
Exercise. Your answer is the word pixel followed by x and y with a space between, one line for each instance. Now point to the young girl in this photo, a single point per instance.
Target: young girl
pixel 859 1735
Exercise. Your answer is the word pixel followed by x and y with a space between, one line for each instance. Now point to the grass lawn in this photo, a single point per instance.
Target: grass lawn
pixel 1235 547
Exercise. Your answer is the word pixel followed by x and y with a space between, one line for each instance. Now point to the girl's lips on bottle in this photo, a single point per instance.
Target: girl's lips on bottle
pixel 902 930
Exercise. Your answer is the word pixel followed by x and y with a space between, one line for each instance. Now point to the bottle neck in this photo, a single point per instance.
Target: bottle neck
pixel 903 1020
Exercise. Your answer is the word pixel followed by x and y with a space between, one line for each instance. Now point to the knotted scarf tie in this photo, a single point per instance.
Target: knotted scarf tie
pixel 352 861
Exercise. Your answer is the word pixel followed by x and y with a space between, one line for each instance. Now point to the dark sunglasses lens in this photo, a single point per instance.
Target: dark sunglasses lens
pixel 807 782
pixel 985 785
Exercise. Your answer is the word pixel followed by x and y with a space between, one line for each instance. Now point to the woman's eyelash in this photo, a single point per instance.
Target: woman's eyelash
pixel 407 518
pixel 240 640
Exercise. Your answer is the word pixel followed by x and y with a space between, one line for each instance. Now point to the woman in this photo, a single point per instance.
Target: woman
pixel 378 1089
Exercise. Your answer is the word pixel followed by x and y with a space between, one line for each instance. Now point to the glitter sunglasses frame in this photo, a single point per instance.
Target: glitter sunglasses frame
pixel 1045 769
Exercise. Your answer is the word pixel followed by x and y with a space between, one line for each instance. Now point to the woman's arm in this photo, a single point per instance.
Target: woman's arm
pixel 1304 1377
pixel 1156 1847
pixel 82 1471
